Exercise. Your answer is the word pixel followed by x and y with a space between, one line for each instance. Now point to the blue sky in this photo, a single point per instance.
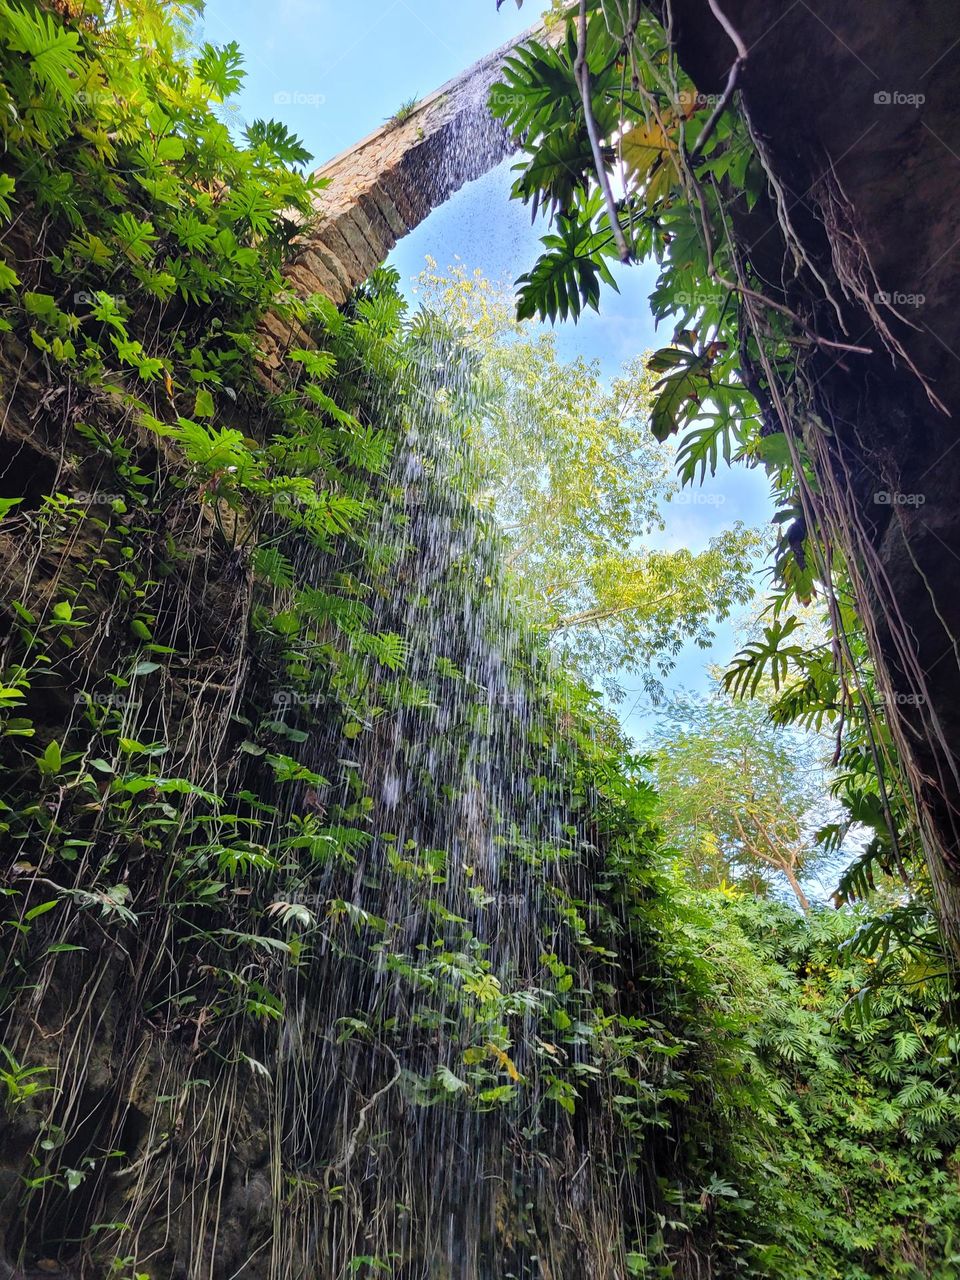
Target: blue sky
pixel 346 68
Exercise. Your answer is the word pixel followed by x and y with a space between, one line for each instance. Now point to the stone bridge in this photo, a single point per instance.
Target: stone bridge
pixel 386 184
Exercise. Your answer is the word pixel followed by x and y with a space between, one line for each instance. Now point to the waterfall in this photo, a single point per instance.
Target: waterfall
pixel 415 1089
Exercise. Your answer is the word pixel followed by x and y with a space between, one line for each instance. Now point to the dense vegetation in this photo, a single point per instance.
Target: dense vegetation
pixel 319 869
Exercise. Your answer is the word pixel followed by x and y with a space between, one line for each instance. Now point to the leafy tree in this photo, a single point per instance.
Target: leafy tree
pixel 578 485
pixel 742 797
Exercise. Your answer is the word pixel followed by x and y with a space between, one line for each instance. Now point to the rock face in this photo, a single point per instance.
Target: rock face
pixel 857 114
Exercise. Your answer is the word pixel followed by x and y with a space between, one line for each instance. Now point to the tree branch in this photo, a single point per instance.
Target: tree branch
pixel 603 615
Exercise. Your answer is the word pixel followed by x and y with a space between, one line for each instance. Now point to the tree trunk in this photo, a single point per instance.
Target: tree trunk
pixel 794 883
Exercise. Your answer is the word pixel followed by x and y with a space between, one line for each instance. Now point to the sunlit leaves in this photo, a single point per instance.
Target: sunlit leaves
pixel 7 188
pixel 536 78
pixel 211 449
pixel 292 915
pixel 539 100
pixel 251 206
pixel 569 468
pixel 193 232
pixel 568 275
pixel 52 51
pixel 221 68
pixel 650 156
pixel 282 146
pixel 386 647
pixel 742 797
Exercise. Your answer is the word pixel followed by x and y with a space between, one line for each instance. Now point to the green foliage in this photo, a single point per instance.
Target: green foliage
pixel 22 1084
pixel 146 815
pixel 839 1136
pixel 569 274
pixel 195 826
pixel 851 1167
pixel 743 797
pixel 201 871
pixel 406 109
pixel 728 381
pixel 568 468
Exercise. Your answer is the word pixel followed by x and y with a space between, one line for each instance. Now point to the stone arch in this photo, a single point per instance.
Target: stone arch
pixel 387 183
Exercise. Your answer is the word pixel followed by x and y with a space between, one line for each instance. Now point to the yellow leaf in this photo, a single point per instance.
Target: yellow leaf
pixel 648 154
pixel 504 1060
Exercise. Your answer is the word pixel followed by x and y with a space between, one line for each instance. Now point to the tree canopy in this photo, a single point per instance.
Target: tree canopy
pixel 578 485
pixel 742 797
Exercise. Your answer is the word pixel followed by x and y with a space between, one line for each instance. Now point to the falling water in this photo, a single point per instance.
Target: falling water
pixel 456 922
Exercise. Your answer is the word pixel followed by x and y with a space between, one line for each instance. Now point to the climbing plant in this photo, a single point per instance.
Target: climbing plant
pixel 608 101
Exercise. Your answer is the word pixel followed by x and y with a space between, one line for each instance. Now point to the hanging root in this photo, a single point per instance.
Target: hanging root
pixel 857 277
